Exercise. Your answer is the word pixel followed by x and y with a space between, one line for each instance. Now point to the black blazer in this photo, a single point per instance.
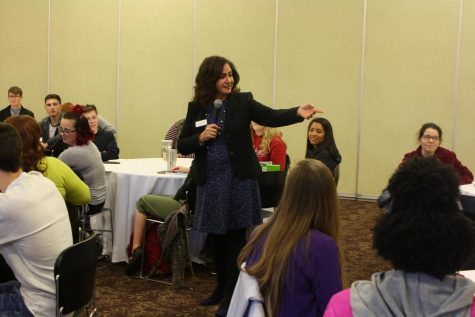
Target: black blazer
pixel 241 110
pixel 5 113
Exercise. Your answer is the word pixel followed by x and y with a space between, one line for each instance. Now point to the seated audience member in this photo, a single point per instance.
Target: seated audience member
pixel 15 95
pixel 83 156
pixel 173 133
pixel 157 207
pixel 427 240
pixel 50 139
pixel 295 257
pixel 34 230
pixel 72 188
pixel 104 140
pixel 321 143
pixel 430 138
pixel 103 123
pixel 269 145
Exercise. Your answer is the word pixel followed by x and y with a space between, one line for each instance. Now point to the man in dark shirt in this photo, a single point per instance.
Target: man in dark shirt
pixel 15 96
pixel 104 140
pixel 50 138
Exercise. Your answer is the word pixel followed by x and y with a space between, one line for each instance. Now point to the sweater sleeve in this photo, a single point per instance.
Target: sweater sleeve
pixel 327 277
pixel 77 192
pixel 339 305
pixel 466 176
pixel 326 158
pixel 106 125
pixel 107 145
pixel 278 152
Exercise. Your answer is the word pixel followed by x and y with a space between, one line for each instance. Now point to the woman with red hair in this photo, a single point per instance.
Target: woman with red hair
pixel 72 188
pixel 83 156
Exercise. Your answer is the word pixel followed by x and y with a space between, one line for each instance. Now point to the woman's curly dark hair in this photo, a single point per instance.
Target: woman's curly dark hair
pixel 208 74
pixel 425 231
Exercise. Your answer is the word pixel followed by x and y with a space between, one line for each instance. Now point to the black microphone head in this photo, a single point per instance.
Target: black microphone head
pixel 217 103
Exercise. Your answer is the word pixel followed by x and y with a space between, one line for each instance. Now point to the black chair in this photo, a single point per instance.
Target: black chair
pixel 287 162
pixel 75 272
pixel 271 186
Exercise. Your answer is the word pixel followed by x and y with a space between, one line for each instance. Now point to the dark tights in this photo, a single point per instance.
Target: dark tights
pixel 226 250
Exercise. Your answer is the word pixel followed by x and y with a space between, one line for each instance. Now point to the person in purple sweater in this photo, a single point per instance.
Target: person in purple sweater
pixel 295 257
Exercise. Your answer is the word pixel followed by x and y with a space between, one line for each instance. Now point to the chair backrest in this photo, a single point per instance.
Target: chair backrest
pixel 74 272
pixel 287 162
pixel 271 186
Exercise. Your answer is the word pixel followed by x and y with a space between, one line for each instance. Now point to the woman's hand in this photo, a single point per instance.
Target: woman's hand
pixel 180 169
pixel 307 111
pixel 211 132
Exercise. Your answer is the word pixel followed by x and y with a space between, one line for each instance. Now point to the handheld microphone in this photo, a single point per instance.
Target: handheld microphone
pixel 217 105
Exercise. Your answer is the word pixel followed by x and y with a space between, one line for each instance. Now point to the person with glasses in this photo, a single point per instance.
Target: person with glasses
pixel 430 138
pixel 50 139
pixel 15 95
pixel 83 156
pixel 74 191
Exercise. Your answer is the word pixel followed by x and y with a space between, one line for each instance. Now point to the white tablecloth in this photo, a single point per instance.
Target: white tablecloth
pixel 126 183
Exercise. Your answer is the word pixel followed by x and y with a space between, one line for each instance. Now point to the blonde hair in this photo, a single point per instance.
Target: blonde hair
pixel 267 135
pixel 308 202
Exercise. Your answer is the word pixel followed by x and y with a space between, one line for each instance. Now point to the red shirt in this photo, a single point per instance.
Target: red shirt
pixel 447 157
pixel 276 154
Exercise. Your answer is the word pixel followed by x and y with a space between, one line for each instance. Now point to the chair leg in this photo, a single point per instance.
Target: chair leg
pixel 98 223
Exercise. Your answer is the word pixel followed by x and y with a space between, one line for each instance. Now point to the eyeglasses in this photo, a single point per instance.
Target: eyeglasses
pixel 13 96
pixel 429 137
pixel 65 131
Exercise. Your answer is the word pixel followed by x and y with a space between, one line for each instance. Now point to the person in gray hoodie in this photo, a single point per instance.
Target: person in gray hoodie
pixel 427 239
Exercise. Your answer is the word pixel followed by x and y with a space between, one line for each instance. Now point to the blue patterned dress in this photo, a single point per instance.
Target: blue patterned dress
pixel 224 202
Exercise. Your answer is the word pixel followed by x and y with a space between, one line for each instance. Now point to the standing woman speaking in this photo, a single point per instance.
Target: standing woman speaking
pixel 217 130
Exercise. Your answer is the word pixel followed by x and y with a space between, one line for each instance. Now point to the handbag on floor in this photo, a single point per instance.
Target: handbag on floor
pixel 153 262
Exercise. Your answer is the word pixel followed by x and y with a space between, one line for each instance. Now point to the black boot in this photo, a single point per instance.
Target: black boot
pixel 235 241
pixel 220 261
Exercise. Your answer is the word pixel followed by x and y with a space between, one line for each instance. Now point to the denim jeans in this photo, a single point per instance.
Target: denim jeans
pixel 11 301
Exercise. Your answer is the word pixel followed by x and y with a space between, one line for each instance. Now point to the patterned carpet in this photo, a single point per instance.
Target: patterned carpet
pixel 118 295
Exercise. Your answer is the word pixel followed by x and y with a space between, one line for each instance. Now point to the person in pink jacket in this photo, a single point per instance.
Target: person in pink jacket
pixel 427 240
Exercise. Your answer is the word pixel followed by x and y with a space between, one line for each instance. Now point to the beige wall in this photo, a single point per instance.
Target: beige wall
pixel 379 69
